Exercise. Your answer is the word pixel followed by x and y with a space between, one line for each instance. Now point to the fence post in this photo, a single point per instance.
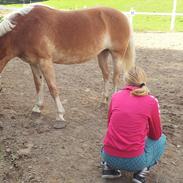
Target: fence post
pixel 132 13
pixel 172 25
pixel 23 1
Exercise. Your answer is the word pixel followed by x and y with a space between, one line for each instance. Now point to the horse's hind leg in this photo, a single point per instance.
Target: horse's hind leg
pixel 47 69
pixel 117 68
pixel 39 83
pixel 102 61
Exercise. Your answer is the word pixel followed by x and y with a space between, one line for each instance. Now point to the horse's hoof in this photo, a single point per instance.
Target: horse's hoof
pixel 35 114
pixel 59 124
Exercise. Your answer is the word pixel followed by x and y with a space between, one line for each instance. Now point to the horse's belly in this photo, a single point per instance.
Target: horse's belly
pixel 73 58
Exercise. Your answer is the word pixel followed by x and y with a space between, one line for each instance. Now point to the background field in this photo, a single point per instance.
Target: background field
pixel 141 22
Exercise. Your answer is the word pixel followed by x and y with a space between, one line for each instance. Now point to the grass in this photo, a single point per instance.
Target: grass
pixel 179 24
pixel 123 5
pixel 179 6
pixel 141 22
pixel 151 23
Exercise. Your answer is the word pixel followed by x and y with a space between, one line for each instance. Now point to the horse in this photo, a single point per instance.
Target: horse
pixel 43 36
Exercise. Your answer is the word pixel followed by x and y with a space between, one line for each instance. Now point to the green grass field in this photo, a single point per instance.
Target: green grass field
pixel 141 22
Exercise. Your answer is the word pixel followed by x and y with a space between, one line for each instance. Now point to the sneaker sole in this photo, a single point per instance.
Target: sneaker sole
pixel 136 181
pixel 110 176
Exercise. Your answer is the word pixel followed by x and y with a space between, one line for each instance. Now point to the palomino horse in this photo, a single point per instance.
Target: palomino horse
pixel 41 36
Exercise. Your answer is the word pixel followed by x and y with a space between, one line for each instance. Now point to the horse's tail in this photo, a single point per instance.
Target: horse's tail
pixel 129 56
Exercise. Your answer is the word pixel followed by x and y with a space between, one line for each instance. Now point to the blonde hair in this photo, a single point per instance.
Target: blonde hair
pixel 136 76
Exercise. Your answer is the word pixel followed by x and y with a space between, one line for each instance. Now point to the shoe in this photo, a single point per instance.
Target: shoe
pixel 108 173
pixel 139 177
pixel 102 163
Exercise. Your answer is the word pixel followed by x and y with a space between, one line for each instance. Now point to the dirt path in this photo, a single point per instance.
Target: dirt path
pixel 32 151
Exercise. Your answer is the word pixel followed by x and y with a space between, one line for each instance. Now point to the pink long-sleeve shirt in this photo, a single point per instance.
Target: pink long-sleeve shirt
pixel 131 119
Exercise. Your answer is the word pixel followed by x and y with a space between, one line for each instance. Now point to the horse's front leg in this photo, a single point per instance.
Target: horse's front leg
pixel 39 84
pixel 48 71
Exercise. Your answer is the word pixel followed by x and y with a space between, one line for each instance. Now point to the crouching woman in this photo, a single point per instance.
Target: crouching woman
pixel 134 140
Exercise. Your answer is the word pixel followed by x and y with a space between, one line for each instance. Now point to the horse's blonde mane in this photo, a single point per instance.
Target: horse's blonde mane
pixel 7 23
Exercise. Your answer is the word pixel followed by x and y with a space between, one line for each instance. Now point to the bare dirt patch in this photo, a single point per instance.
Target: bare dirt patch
pixel 32 151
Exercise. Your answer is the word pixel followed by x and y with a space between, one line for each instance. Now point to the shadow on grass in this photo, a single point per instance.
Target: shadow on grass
pixel 6 2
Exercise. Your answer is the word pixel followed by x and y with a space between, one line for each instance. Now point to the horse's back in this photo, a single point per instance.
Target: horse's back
pixel 69 35
pixel 68 29
pixel 75 22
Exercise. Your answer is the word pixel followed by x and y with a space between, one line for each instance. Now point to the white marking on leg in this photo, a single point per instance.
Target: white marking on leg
pixel 40 99
pixel 40 95
pixel 36 109
pixel 60 109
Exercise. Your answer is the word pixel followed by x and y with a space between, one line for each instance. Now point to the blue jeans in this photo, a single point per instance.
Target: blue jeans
pixel 153 151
